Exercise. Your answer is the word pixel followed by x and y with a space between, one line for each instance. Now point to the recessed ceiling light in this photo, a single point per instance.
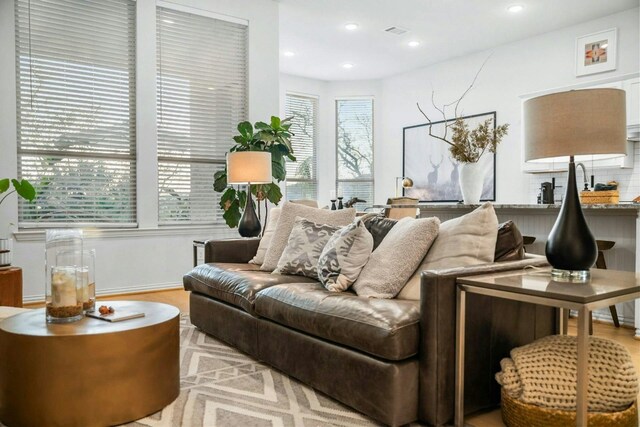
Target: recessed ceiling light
pixel 288 53
pixel 604 46
pixel 168 21
pixel 348 65
pixel 413 43
pixel 516 8
pixel 351 26
pixel 211 88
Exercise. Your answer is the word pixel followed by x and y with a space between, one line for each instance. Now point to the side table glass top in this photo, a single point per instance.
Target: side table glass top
pixel 538 282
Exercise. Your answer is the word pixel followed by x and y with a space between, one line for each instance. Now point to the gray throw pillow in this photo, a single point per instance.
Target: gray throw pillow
pixel 304 247
pixel 395 260
pixel 288 215
pixel 344 256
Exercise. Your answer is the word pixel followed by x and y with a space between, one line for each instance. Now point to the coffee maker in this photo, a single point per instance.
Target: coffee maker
pixel 546 190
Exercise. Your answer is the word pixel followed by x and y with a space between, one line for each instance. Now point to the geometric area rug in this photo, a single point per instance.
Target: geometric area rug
pixel 221 386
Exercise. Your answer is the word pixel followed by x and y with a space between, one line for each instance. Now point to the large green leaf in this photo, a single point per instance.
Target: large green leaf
pixel 246 130
pixel 24 189
pixel 228 196
pixel 278 170
pixel 220 181
pixel 262 126
pixel 273 193
pixel 275 122
pixel 232 215
pixel 4 184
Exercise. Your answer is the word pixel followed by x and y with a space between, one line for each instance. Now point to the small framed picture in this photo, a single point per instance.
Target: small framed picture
pixel 597 52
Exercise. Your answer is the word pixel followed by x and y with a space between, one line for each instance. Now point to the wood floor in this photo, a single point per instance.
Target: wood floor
pixel 624 336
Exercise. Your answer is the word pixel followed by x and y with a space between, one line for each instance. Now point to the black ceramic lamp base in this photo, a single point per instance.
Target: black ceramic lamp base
pixel 249 223
pixel 571 248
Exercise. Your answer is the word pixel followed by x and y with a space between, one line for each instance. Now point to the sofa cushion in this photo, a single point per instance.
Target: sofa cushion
pixel 272 220
pixel 510 245
pixel 236 284
pixel 388 329
pixel 378 226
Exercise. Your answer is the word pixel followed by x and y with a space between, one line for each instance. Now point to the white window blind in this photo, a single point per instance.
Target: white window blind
pixel 302 174
pixel 354 122
pixel 75 63
pixel 202 96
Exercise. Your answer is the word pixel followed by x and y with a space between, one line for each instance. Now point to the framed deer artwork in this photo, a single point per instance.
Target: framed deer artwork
pixel 435 174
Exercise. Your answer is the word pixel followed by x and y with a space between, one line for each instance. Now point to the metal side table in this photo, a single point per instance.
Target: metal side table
pixel 605 288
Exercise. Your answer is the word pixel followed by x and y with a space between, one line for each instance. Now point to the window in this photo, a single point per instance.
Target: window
pixel 75 63
pixel 354 123
pixel 201 97
pixel 302 174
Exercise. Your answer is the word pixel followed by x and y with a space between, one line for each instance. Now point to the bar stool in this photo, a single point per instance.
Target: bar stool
pixel 605 245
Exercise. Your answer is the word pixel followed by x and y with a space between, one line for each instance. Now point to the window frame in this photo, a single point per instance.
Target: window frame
pixel 316 145
pixel 373 138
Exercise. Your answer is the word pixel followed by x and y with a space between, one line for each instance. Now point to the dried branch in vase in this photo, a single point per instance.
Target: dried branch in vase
pixel 466 146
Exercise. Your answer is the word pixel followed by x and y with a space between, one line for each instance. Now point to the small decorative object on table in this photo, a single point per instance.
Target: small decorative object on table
pixel 109 314
pixel 64 283
pixel 602 194
pixel 332 197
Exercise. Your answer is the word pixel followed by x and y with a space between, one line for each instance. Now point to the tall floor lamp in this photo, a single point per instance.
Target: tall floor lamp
pixel 249 167
pixel 574 126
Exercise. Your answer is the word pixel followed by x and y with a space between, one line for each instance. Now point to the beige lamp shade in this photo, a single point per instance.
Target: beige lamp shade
pixel 589 124
pixel 249 166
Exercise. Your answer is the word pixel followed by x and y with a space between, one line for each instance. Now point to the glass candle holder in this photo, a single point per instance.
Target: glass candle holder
pixel 63 290
pixel 88 275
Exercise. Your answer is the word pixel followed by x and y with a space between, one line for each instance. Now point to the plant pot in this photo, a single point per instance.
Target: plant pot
pixel 6 245
pixel 472 181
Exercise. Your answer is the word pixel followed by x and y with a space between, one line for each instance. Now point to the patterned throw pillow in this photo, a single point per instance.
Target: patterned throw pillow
pixel 305 244
pixel 344 256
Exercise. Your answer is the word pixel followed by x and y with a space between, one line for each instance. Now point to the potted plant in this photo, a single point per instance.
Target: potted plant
pixel 27 192
pixel 467 146
pixel 274 137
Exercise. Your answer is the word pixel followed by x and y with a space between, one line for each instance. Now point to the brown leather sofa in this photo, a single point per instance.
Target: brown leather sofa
pixel 393 360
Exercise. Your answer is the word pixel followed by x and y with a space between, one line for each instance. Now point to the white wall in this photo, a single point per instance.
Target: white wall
pixel 515 69
pixel 531 65
pixel 151 257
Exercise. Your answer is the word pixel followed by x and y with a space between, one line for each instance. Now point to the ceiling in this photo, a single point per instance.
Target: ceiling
pixel 314 31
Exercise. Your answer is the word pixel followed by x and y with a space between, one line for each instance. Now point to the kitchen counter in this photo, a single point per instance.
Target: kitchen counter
pixel 439 206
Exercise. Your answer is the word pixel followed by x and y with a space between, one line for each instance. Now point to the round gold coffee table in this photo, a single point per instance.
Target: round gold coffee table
pixel 91 372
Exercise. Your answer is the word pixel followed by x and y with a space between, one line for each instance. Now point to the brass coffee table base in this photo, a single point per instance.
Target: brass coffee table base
pixel 91 373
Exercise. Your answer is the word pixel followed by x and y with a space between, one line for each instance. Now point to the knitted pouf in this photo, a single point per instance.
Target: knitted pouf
pixel 544 374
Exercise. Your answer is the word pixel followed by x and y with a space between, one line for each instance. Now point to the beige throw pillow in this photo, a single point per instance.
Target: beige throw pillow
pixel 284 226
pixel 272 220
pixel 395 260
pixel 344 256
pixel 463 241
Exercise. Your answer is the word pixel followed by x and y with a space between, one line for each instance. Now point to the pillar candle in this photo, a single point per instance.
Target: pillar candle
pixel 63 287
pixel 332 195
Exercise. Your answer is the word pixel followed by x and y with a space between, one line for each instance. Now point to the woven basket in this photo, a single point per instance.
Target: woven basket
pixel 519 414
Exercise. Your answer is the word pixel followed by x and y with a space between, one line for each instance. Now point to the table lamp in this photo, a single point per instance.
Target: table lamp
pixel 574 126
pixel 249 167
pixel 406 183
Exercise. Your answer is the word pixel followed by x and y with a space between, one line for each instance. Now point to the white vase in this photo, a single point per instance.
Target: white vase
pixel 6 245
pixel 471 182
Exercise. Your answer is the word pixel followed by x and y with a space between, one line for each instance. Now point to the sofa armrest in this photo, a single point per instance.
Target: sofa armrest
pixel 237 250
pixel 438 329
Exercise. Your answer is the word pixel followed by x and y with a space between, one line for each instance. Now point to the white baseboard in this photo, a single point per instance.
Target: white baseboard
pixel 116 291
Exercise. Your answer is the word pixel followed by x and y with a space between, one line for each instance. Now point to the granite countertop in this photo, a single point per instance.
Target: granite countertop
pixel 440 206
